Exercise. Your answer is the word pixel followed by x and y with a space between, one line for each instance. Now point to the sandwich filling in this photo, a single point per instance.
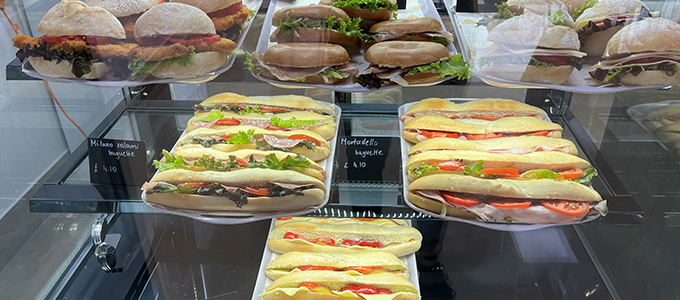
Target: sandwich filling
pixel 353 270
pixel 538 148
pixel 348 27
pixel 480 115
pixel 356 291
pixel 263 142
pixel 274 123
pixel 329 74
pixel 224 19
pixel 261 109
pixel 539 57
pixel 611 70
pixel 444 38
pixel 424 134
pixel 372 5
pixel 375 76
pixel 603 24
pixel 346 243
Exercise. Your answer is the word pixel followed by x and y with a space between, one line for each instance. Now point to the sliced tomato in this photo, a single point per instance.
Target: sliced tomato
pixel 227 122
pixel 260 191
pixel 232 9
pixel 488 118
pixel 309 285
pixel 326 240
pixel 510 204
pixel 196 184
pixel 460 199
pixel 290 236
pixel 272 109
pixel 284 218
pixel 483 136
pixel 360 289
pixel 225 137
pixel 537 133
pixel 569 208
pixel 384 292
pixel 361 269
pixel 304 138
pixel 451 166
pixel 370 244
pixel 571 174
pixel 506 172
pixel 433 134
pixel 195 39
pixel 365 219
pixel 272 127
pixel 316 268
pixel 91 40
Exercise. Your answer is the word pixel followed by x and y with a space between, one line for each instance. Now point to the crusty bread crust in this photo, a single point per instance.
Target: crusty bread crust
pixel 306 55
pixel 519 142
pixel 296 101
pixel 123 8
pixel 63 69
pixel 203 63
pixel 337 280
pixel 171 19
pixel 489 106
pixel 509 188
pixel 313 12
pixel 524 31
pixel 77 18
pixel 560 37
pixel 651 34
pixel 393 54
pixel 292 260
pixel 382 14
pixel 474 126
pixel 436 207
pixel 252 177
pixel 208 6
pixel 317 35
pixel 405 26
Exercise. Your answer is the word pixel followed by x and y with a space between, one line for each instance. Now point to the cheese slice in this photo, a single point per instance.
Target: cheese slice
pixel 667 54
pixel 345 294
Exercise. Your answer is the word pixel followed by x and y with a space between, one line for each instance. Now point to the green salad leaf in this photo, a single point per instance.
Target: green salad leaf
pixel 212 116
pixel 241 138
pixel 585 179
pixel 455 66
pixel 210 163
pixel 292 122
pixel 503 11
pixel 578 11
pixel 373 5
pixel 612 73
pixel 587 176
pixel 348 27
pixel 139 66
pixel 272 162
pixel 171 162
pixel 475 169
pixel 440 39
pixel 419 171
pixel 327 73
pixel 536 63
pixel 557 18
pixel 248 109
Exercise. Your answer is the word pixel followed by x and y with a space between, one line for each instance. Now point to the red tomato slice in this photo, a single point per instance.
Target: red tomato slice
pixel 360 289
pixel 483 136
pixel 225 137
pixel 242 162
pixel 510 204
pixel 384 292
pixel 290 236
pixel 195 39
pixel 272 109
pixel 196 184
pixel 260 192
pixel 433 134
pixel 316 268
pixel 460 199
pixel 272 127
pixel 227 122
pixel 304 138
pixel 370 244
pixel 365 219
pixel 488 118
pixel 507 172
pixel 569 208
pixel 326 240
pixel 538 133
pixel 350 243
pixel 451 166
pixel 284 218
pixel 362 269
pixel 571 174
pixel 232 9
pixel 309 285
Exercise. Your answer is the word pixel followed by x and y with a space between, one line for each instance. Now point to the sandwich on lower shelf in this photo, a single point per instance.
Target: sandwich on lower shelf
pixel 127 11
pixel 228 16
pixel 406 63
pixel 508 145
pixel 370 11
pixel 555 10
pixel 313 63
pixel 662 116
pixel 268 105
pixel 430 126
pixel 485 109
pixel 364 264
pixel 289 121
pixel 506 200
pixel 339 221
pixel 339 285
pixel 232 138
pixel 646 52
pixel 411 29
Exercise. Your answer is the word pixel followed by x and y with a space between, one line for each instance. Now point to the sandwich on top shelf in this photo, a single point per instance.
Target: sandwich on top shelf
pixel 127 11
pixel 227 15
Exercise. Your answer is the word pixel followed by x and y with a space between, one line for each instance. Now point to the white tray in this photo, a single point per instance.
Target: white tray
pixel 638 112
pixel 406 147
pixel 419 8
pixel 247 217
pixel 28 69
pixel 268 255
pixel 474 45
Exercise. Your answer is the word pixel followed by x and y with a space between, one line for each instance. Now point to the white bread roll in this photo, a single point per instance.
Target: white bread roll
pixel 171 19
pixel 123 8
pixel 77 18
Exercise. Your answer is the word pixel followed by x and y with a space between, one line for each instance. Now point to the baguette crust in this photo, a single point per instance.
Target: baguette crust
pixel 306 55
pixel 340 221
pixel 238 178
pixel 519 142
pixel 317 35
pixel 493 107
pixel 405 26
pixel 293 101
pixel 382 14
pixel 400 54
pixel 337 280
pixel 507 188
pixel 408 239
pixel 291 260
pixel 436 207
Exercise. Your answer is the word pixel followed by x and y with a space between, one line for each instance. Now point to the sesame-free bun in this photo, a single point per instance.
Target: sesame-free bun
pixel 208 6
pixel 173 19
pixel 609 8
pixel 63 69
pixel 204 62
pixel 306 55
pixel 648 35
pixel 313 12
pixel 395 54
pixel 77 18
pixel 409 25
pixel 559 37
pixel 524 31
pixel 123 8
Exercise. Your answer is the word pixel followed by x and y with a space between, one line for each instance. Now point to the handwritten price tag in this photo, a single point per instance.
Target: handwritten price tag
pixel 117 161
pixel 368 159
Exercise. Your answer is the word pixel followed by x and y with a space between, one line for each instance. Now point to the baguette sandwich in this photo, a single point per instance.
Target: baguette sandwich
pixel 303 142
pixel 662 116
pixel 244 190
pixel 345 238
pixel 429 126
pixel 510 145
pixel 269 105
pixel 339 221
pixel 329 285
pixel 485 109
pixel 506 200
pixel 366 263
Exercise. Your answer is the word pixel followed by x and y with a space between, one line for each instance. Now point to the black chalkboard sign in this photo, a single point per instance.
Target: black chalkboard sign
pixel 118 162
pixel 368 158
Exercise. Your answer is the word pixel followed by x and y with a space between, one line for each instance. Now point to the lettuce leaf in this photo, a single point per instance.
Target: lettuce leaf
pixel 272 162
pixel 612 73
pixel 249 62
pixel 139 66
pixel 348 27
pixel 440 39
pixel 557 18
pixel 214 115
pixel 585 179
pixel 587 176
pixel 171 162
pixel 475 169
pixel 455 66
pixel 292 122
pixel 578 11
pixel 241 138
pixel 373 5
pixel 419 171
pixel 503 11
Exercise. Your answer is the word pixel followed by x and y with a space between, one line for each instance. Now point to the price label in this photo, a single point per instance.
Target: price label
pixel 368 159
pixel 118 162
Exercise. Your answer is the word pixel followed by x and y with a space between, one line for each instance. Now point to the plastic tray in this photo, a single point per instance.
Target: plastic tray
pixel 419 8
pixel 247 217
pixel 28 69
pixel 268 255
pixel 406 147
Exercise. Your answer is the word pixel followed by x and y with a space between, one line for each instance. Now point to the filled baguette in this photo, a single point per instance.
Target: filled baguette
pixel 366 263
pixel 510 145
pixel 338 221
pixel 270 105
pixel 484 109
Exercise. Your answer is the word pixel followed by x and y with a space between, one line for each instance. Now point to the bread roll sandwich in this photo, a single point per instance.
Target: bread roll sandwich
pixel 670 135
pixel 206 159
pixel 530 48
pixel 344 238
pixel 228 16
pixel 555 10
pixel 423 29
pixel 269 105
pixel 495 165
pixel 405 63
pixel 289 121
pixel 340 221
pixel 127 11
pixel 597 24
pixel 514 145
pixel 370 11
pixel 506 200
pixel 646 52
pixel 485 109
pixel 313 63
pixel 329 285
pixel 243 190
pixel 79 41
pixel 177 40
pixel 662 116
pixel 430 126
pixel 576 7
pixel 234 138
pixel 318 24
pixel 366 263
